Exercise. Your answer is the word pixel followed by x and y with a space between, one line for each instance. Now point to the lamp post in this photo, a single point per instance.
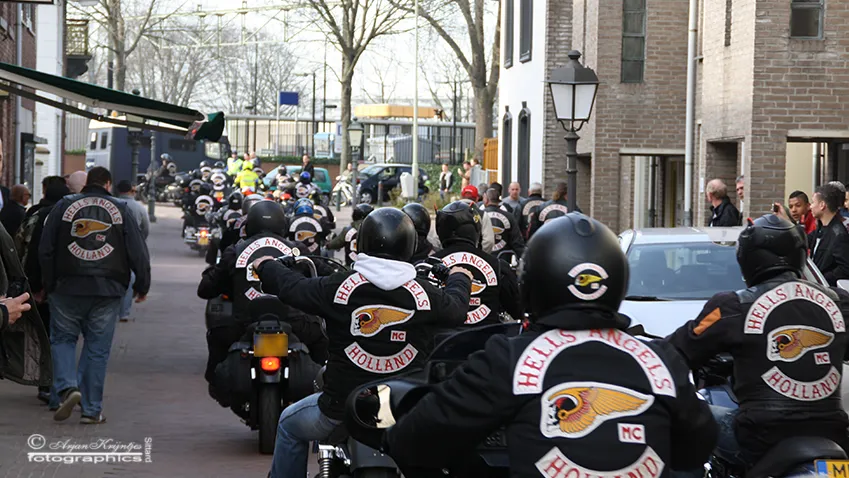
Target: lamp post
pixel 573 89
pixel 135 141
pixel 355 138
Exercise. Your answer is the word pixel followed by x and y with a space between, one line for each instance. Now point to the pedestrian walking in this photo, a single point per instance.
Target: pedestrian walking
pixel 127 192
pixel 90 244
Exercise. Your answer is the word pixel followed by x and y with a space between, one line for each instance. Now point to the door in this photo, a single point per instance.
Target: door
pixel 674 192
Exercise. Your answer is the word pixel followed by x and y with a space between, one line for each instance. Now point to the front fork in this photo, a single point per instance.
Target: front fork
pixel 326 454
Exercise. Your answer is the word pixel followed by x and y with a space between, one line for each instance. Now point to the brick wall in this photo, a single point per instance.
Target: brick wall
pixel 8 11
pixel 646 115
pixel 803 85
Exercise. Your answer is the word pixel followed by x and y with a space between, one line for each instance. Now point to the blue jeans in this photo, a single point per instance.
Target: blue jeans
pixel 299 424
pixel 94 318
pixel 127 302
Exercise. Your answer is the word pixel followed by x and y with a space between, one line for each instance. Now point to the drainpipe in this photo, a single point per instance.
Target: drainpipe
pixel 19 53
pixel 691 113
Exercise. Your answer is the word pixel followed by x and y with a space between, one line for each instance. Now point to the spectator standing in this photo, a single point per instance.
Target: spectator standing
pixel 465 174
pixel 724 213
pixel 90 244
pixel 308 167
pixel 127 192
pixel 15 210
pixel 800 211
pixel 76 181
pixel 446 181
pixel 741 190
pixel 829 243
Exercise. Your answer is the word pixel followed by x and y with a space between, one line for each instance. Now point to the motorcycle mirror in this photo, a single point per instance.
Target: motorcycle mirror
pixel 843 284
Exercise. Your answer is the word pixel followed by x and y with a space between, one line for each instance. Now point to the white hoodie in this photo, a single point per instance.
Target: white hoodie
pixel 384 273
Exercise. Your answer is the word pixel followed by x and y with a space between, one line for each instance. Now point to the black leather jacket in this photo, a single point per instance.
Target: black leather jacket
pixel 831 256
pixel 788 340
pixel 578 397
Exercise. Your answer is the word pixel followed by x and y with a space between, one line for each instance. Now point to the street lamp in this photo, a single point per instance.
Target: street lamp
pixel 355 139
pixel 134 133
pixel 573 90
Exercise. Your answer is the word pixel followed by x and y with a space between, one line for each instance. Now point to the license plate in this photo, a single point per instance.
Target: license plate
pixel 832 468
pixel 271 345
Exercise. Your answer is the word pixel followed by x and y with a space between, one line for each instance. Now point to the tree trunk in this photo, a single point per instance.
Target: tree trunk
pixel 484 103
pixel 120 49
pixel 347 79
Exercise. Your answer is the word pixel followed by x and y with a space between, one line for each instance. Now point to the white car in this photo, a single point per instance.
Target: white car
pixel 673 272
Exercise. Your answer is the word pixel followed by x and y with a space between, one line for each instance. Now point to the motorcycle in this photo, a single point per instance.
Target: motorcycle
pixel 268 368
pixel 377 406
pixel 342 191
pixel 794 457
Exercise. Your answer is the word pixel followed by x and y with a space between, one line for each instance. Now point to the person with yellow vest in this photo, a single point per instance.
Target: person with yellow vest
pixel 247 178
pixel 234 164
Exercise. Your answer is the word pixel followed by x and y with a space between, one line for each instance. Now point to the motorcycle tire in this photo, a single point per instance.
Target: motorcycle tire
pixel 268 414
pixel 376 473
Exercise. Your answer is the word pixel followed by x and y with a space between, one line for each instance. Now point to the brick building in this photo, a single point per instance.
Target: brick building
pixel 767 102
pixel 16 115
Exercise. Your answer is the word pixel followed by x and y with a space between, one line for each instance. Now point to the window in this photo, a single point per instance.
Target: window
pixel 526 31
pixel 213 150
pixel 508 34
pixel 188 145
pixel 320 177
pixel 524 166
pixel 633 41
pixel 806 18
pixel 92 141
pixel 507 147
pixel 104 139
pixel 728 8
pixel 387 173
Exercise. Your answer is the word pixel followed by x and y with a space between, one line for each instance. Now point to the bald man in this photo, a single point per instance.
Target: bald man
pixel 76 181
pixel 724 213
pixel 514 200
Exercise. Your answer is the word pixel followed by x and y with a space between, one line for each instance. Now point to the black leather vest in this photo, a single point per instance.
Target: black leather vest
pixel 350 245
pixel 485 303
pixel 91 239
pixel 307 229
pixel 552 210
pixel 246 283
pixel 501 228
pixel 528 206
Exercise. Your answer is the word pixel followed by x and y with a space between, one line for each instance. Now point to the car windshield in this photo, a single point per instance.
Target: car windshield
pixel 370 170
pixel 694 271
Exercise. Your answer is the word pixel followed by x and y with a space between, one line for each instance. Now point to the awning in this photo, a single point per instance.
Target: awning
pixel 194 122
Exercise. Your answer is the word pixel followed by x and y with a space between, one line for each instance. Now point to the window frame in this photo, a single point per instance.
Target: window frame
pixel 509 27
pixel 808 5
pixel 526 30
pixel 642 59
pixel 523 174
pixel 507 146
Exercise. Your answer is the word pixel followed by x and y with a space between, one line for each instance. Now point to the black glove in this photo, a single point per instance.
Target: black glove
pixel 440 271
pixel 288 261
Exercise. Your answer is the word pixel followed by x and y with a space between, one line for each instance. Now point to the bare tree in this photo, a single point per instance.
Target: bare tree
pixel 381 86
pixel 440 15
pixel 352 25
pixel 122 37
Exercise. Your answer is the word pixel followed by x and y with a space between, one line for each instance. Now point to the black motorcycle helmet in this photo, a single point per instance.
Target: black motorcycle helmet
pixel 205 189
pixel 205 164
pixel 266 216
pixel 387 233
pixel 420 217
pixel 219 165
pixel 235 200
pixel 573 261
pixel 459 221
pixel 769 246
pixel 249 201
pixel 361 211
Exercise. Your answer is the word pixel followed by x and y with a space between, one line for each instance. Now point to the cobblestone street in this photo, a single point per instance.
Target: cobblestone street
pixel 154 389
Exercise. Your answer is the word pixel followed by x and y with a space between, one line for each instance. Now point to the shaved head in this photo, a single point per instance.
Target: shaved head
pixel 76 181
pixel 514 190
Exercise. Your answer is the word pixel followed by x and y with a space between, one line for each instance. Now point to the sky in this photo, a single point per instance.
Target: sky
pixel 390 57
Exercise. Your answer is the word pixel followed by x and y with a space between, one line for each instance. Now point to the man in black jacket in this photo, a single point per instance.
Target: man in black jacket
pixel 829 243
pixel 725 214
pixel 347 239
pixel 557 207
pixel 788 340
pixel 234 277
pixel 494 287
pixel 527 205
pixel 504 226
pixel 90 244
pixel 578 395
pixel 380 320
